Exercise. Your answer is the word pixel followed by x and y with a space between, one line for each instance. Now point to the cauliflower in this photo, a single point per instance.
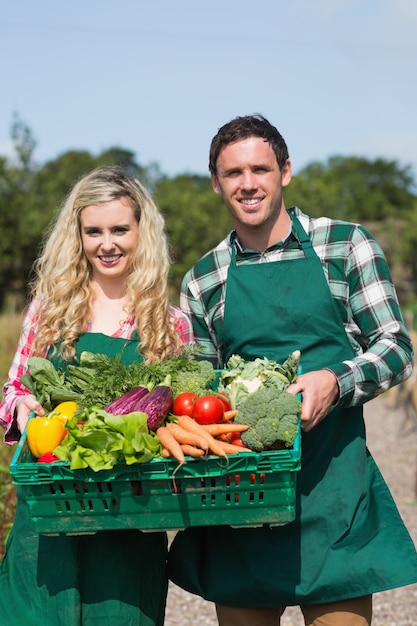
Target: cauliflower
pixel 198 380
pixel 273 416
pixel 243 378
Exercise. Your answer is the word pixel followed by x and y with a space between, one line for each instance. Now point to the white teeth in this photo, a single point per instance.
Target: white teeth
pixel 250 201
pixel 109 259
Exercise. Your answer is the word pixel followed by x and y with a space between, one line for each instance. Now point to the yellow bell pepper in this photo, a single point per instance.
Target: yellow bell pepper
pixel 64 410
pixel 44 434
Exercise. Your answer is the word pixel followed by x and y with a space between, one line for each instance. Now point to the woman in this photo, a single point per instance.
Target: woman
pixel 101 285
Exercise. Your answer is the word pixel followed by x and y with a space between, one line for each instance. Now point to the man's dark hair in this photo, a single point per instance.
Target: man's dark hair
pixel 243 127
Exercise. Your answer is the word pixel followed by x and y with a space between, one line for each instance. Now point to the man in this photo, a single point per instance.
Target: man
pixel 283 281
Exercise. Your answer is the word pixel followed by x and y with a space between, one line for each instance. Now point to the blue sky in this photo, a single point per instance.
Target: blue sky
pixel 160 77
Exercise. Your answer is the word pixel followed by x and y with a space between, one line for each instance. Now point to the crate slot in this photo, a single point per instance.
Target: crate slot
pixel 110 505
pixel 137 488
pixel 56 488
pixel 233 479
pixel 208 499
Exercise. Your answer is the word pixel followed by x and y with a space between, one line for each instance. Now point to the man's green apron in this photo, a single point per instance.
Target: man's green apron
pixel 106 579
pixel 348 539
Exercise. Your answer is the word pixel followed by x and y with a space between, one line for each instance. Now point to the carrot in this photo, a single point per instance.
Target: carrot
pixel 230 448
pixel 169 442
pixel 190 424
pixel 218 429
pixel 229 415
pixel 165 453
pixel 192 450
pixel 186 437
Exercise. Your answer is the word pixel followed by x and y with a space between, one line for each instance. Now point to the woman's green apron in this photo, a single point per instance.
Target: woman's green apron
pixel 108 578
pixel 348 539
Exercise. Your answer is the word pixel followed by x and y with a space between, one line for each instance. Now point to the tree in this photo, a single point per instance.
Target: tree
pixel 15 179
pixel 353 189
pixel 30 196
pixel 24 144
pixel 378 194
pixel 196 220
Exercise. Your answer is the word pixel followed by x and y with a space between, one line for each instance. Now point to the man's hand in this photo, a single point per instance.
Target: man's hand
pixel 24 406
pixel 319 391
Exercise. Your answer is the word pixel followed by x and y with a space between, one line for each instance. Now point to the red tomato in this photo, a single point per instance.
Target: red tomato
pixel 208 410
pixel 184 403
pixel 237 440
pixel 222 395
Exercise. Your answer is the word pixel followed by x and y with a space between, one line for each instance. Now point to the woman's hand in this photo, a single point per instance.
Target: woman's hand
pixel 320 391
pixel 24 406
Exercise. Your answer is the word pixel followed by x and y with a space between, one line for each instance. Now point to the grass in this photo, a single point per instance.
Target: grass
pixel 9 333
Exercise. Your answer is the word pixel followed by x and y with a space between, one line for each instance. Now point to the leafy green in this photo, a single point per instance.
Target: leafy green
pixel 99 440
pixel 99 379
pixel 49 385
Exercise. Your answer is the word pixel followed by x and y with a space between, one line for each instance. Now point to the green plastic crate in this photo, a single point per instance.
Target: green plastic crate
pixel 252 489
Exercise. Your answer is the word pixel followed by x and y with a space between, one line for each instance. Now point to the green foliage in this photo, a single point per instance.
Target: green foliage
pixel 196 220
pixel 31 195
pixel 353 189
pixel 9 333
pixel 378 193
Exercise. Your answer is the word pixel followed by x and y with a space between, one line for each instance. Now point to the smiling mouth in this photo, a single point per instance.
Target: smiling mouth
pixel 248 202
pixel 110 259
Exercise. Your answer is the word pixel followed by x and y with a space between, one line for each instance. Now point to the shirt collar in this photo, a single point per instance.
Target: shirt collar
pixel 291 237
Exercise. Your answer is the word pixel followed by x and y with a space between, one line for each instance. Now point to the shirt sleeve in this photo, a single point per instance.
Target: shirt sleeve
pixel 193 307
pixel 13 388
pixel 385 357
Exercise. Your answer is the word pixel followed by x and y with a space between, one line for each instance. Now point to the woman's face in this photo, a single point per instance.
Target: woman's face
pixel 110 235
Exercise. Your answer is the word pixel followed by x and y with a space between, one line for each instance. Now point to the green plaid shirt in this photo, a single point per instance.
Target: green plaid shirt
pixel 360 283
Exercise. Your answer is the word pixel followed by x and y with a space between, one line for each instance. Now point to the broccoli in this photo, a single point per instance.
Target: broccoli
pixel 273 416
pixel 197 380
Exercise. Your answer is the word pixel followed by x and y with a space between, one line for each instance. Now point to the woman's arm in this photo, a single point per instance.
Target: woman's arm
pixel 17 401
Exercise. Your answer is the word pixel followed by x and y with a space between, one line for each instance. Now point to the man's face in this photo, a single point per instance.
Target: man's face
pixel 250 182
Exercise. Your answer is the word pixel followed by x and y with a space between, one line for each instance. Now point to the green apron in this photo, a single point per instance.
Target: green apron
pixel 348 539
pixel 109 578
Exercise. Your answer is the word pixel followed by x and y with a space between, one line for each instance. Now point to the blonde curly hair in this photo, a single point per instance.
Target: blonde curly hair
pixel 62 283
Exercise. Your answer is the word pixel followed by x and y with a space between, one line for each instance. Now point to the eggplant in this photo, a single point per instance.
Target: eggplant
pixel 127 402
pixel 156 404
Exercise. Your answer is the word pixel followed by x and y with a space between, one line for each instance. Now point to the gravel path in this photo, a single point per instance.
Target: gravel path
pixel 394 447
